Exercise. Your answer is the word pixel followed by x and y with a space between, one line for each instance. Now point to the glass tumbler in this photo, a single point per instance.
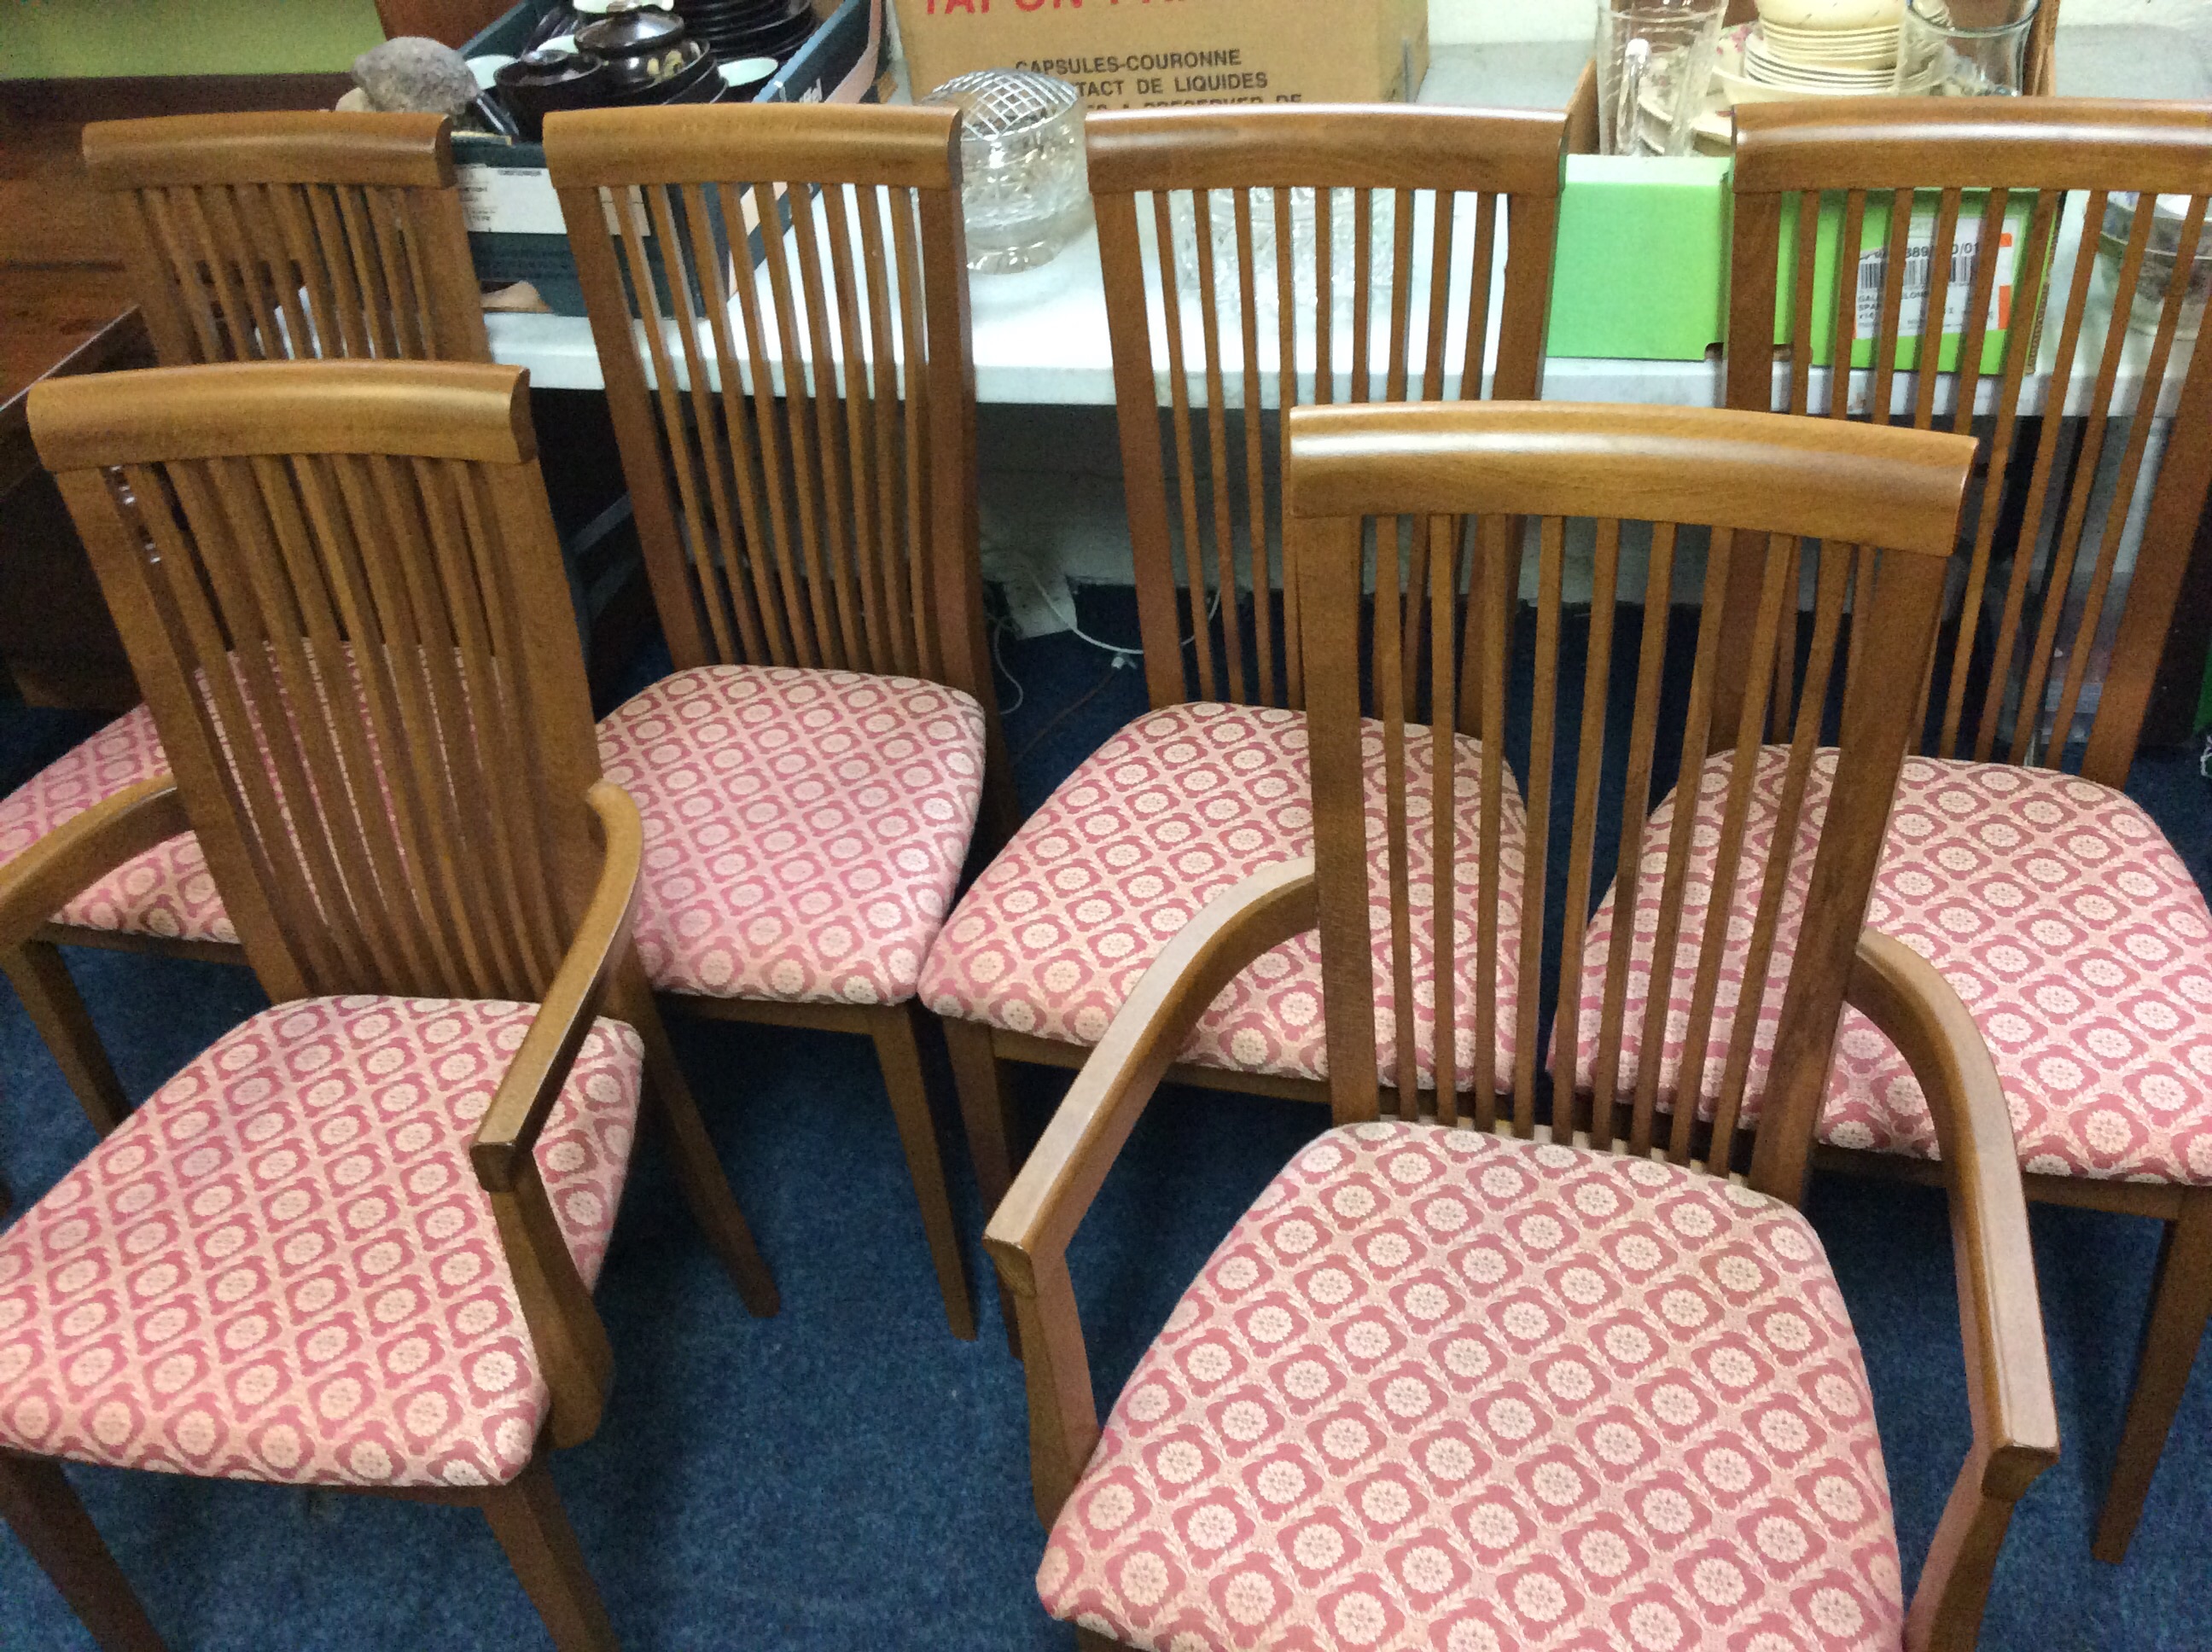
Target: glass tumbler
pixel 1964 48
pixel 1655 60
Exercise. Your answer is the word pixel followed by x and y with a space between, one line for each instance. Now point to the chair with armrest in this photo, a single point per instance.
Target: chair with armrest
pixel 1508 1373
pixel 1352 254
pixel 2051 901
pixel 249 237
pixel 351 1244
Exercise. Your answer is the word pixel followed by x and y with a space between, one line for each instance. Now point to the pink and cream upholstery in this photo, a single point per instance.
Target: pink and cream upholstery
pixel 281 1267
pixel 804 830
pixel 168 892
pixel 1177 809
pixel 2062 916
pixel 1445 1391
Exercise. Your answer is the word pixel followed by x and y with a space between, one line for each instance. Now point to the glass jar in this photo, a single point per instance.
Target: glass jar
pixel 1025 192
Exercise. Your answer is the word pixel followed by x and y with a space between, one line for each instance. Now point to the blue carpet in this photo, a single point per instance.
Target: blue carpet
pixel 848 1476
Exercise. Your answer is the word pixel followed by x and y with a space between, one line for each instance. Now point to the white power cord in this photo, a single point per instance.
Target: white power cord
pixel 1122 657
pixel 999 659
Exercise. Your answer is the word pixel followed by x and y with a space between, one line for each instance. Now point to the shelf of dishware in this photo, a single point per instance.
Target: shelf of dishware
pixel 1040 334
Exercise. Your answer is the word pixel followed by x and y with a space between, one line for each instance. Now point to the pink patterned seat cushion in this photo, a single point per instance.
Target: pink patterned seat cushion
pixel 1442 1391
pixel 2063 917
pixel 1174 811
pixel 281 1267
pixel 167 891
pixel 804 830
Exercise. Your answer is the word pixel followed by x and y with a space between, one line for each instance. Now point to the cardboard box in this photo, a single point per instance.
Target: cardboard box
pixel 516 232
pixel 1641 271
pixel 1872 266
pixel 1144 54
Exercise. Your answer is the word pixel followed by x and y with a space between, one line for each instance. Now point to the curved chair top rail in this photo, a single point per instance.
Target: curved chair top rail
pixel 1509 151
pixel 1846 144
pixel 407 151
pixel 901 148
pixel 1877 485
pixel 477 412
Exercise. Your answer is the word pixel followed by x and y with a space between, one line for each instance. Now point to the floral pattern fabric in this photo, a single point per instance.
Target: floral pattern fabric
pixel 1445 1391
pixel 281 1267
pixel 804 830
pixel 166 892
pixel 1175 811
pixel 2060 915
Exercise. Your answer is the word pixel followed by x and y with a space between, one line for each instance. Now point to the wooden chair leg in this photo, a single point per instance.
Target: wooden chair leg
pixel 900 1055
pixel 698 1170
pixel 528 1518
pixel 987 1111
pixel 1090 1640
pixel 42 980
pixel 2180 1305
pixel 41 1507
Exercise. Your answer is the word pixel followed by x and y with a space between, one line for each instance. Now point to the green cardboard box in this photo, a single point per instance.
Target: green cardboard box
pixel 1641 267
pixel 1873 264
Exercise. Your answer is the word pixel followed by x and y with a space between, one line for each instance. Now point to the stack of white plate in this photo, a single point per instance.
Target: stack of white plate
pixel 1812 48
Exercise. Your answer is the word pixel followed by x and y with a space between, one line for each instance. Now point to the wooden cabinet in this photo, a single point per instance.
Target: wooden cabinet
pixel 453 22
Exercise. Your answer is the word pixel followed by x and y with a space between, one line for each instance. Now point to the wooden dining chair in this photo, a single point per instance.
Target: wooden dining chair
pixel 1292 256
pixel 352 1243
pixel 249 237
pixel 797 418
pixel 2047 898
pixel 1487 1371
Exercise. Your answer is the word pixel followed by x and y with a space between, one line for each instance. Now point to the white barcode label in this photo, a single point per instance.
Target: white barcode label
pixel 1919 255
pixel 509 201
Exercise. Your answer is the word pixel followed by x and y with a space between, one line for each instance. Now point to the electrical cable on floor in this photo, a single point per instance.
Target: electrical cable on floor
pixel 999 659
pixel 1212 611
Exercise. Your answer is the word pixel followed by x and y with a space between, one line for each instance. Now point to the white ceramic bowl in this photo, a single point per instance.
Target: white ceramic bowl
pixel 1831 13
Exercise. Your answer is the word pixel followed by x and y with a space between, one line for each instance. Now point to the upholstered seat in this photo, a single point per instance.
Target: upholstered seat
pixel 1443 1390
pixel 804 830
pixel 1178 808
pixel 2058 912
pixel 281 1267
pixel 166 893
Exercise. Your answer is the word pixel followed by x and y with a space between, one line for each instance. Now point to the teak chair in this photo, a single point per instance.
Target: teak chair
pixel 800 450
pixel 1502 1379
pixel 249 237
pixel 2051 902
pixel 341 589
pixel 1181 805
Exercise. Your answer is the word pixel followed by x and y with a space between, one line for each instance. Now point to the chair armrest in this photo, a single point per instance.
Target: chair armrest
pixel 565 1328
pixel 82 850
pixel 2015 1418
pixel 510 1126
pixel 1029 1233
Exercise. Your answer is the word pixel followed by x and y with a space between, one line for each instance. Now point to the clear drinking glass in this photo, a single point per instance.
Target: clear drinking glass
pixel 1964 48
pixel 1655 60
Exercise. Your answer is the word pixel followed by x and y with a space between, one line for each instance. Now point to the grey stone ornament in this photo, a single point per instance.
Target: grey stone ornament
pixel 414 74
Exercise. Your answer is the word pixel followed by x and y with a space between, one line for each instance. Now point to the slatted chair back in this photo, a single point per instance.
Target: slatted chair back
pixel 277 236
pixel 340 586
pixel 2082 526
pixel 795 410
pixel 1352 254
pixel 1663 502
